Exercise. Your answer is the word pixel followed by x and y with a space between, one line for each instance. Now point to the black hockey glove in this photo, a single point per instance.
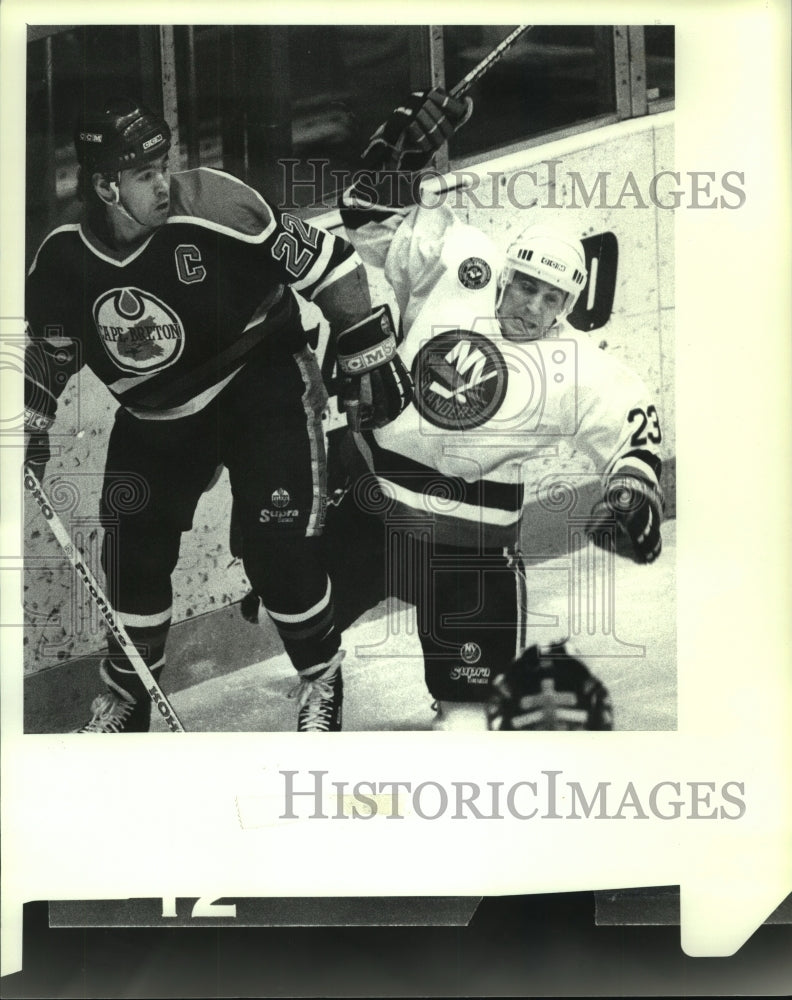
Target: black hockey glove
pixel 373 385
pixel 40 407
pixel 401 147
pixel 413 132
pixel 635 507
pixel 37 453
pixel 547 689
pixel 37 443
pixel 249 607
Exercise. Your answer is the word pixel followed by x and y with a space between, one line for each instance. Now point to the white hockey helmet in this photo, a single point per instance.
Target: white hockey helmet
pixel 551 255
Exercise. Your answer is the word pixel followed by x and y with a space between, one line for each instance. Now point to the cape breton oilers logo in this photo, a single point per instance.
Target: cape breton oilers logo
pixel 474 272
pixel 280 498
pixel 280 512
pixel 139 331
pixel 460 380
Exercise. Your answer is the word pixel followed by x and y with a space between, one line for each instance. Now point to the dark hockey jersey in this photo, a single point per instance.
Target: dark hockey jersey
pixel 167 324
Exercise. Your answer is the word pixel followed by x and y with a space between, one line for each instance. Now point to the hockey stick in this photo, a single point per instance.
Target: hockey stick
pixel 459 90
pixel 467 81
pixel 162 704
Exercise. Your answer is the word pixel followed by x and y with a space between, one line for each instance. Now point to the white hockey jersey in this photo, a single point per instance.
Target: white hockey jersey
pixel 485 407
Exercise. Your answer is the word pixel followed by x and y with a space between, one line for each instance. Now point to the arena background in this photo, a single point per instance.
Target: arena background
pixel 261 102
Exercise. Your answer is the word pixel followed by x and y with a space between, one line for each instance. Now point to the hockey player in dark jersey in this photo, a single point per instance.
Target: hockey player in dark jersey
pixel 481 332
pixel 178 292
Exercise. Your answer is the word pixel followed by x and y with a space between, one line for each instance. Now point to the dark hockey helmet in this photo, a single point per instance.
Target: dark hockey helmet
pixel 548 688
pixel 123 135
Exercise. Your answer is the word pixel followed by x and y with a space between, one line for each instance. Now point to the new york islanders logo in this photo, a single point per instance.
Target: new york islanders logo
pixel 139 331
pixel 460 380
pixel 470 652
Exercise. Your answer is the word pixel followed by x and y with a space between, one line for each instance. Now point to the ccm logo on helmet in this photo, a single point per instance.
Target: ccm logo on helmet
pixel 553 263
pixel 150 142
pixel 90 136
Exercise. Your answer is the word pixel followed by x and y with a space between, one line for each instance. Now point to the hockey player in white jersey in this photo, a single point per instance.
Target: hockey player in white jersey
pixel 499 377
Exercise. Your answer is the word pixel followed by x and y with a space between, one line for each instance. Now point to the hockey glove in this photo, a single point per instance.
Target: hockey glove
pixel 547 689
pixel 249 607
pixel 37 453
pixel 412 134
pixel 636 507
pixel 373 385
pixel 37 443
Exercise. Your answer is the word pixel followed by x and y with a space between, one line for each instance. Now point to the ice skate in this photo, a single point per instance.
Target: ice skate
pixel 320 695
pixel 117 711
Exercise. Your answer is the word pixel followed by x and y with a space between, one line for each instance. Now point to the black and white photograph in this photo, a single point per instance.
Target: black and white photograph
pixel 389 414
pixel 348 370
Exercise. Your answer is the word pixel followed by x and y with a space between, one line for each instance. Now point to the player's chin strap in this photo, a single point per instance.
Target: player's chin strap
pixel 505 277
pixel 553 330
pixel 121 206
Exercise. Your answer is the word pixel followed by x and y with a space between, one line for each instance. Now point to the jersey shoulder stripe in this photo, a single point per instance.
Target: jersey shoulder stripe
pixel 70 228
pixel 218 201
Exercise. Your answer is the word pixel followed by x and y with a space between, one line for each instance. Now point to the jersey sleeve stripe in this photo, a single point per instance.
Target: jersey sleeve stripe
pixel 643 462
pixel 352 263
pixel 334 269
pixel 319 267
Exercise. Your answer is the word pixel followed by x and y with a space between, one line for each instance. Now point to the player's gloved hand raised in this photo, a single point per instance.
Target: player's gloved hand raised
pixel 548 689
pixel 373 385
pixel 414 131
pixel 635 507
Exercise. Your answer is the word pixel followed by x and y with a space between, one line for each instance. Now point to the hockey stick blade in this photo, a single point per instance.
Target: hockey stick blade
pixel 488 61
pixel 161 703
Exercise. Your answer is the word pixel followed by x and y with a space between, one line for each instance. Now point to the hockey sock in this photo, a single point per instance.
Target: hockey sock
pixel 150 643
pixel 309 650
